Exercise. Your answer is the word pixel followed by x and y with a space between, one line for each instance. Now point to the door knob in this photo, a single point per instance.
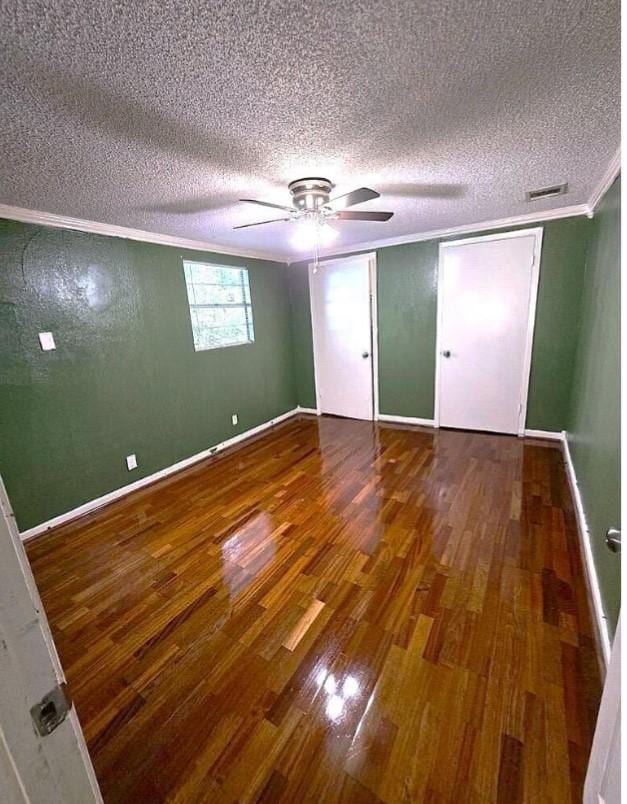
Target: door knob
pixel 365 354
pixel 612 540
pixel 446 353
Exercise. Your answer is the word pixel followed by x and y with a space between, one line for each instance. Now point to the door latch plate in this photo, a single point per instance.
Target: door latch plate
pixel 52 710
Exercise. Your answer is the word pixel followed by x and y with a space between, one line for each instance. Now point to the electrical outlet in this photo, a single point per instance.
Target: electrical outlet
pixel 46 341
pixel 234 419
pixel 131 462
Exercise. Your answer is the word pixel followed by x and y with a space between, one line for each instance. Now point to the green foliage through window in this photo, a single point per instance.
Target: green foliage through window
pixel 219 305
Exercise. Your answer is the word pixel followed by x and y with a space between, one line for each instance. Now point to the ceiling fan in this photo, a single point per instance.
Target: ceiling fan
pixel 313 207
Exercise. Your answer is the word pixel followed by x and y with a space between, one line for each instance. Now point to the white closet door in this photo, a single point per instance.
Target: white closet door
pixel 342 327
pixel 487 291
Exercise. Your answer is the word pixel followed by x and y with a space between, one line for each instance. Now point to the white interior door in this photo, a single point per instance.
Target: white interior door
pixel 341 313
pixel 486 307
pixel 33 768
pixel 602 784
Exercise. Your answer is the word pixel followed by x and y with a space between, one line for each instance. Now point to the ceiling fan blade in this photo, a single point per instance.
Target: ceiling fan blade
pixel 350 215
pixel 350 199
pixel 267 204
pixel 261 223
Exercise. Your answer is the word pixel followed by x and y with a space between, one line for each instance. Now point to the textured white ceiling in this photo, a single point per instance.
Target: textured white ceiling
pixel 160 115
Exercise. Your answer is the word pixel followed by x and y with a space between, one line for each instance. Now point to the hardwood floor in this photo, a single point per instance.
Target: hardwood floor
pixel 335 612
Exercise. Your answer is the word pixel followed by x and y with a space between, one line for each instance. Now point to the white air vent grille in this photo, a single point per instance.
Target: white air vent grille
pixel 546 192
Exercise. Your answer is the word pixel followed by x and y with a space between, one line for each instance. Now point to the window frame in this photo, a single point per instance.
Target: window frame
pixel 247 306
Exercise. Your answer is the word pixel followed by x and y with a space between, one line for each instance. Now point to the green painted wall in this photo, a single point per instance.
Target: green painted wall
pixel 407 302
pixel 125 377
pixel 594 422
pixel 556 330
pixel 407 294
pixel 302 338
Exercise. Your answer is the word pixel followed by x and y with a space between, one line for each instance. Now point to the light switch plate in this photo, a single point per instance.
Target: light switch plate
pixel 234 419
pixel 131 462
pixel 46 340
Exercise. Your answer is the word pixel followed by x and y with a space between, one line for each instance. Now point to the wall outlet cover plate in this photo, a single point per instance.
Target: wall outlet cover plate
pixel 46 340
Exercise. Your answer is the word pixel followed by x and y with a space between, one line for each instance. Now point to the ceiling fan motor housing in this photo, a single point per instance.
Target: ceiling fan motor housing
pixel 310 194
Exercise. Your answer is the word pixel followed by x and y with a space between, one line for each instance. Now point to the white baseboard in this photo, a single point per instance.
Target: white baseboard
pixel 551 435
pixel 387 417
pixel 313 411
pixel 87 507
pixel 584 535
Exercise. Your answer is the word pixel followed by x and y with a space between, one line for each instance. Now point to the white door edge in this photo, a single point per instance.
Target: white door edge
pixel 537 232
pixel 602 773
pixel 371 257
pixel 374 332
pixel 56 767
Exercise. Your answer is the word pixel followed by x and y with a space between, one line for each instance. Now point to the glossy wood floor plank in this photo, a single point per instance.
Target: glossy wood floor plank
pixel 336 612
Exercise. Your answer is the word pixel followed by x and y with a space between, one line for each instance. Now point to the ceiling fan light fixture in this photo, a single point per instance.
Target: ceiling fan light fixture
pixel 313 208
pixel 312 230
pixel 328 234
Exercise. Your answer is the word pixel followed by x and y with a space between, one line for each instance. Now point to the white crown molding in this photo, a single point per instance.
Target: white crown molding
pixel 110 230
pixel 65 222
pixel 437 234
pixel 613 169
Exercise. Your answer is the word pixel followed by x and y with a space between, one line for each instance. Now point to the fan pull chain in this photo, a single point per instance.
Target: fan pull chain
pixel 316 247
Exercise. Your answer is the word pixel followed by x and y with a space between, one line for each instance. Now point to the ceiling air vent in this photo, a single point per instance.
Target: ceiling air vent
pixel 546 192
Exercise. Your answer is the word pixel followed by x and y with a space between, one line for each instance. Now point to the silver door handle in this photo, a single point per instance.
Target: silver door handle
pixel 365 354
pixel 446 353
pixel 612 540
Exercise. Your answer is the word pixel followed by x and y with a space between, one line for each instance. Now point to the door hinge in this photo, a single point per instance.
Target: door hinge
pixel 52 710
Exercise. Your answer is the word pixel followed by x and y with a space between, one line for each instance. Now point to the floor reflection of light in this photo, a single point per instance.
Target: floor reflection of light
pixel 339 693
pixel 335 707
pixel 232 549
pixel 350 687
pixel 236 564
pixel 330 685
pixel 335 463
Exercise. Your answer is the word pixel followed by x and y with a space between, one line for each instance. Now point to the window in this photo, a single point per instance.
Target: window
pixel 219 305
